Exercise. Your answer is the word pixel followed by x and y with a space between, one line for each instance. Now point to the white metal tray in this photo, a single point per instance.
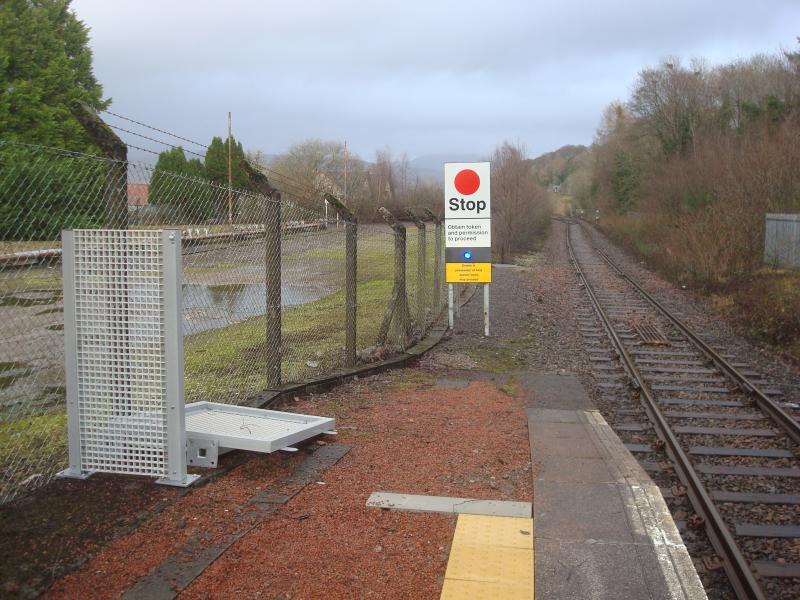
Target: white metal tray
pixel 212 427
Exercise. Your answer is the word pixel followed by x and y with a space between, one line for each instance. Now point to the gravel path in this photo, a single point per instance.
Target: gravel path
pixel 532 320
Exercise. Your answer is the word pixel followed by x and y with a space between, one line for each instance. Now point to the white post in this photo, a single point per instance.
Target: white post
pixel 70 358
pixel 457 294
pixel 486 309
pixel 450 305
pixel 173 361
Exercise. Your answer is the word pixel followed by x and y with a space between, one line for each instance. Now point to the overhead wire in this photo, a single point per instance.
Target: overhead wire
pixel 154 128
pixel 141 135
pixel 142 149
pixel 292 185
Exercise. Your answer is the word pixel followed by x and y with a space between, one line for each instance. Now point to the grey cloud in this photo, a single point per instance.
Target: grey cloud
pixel 419 77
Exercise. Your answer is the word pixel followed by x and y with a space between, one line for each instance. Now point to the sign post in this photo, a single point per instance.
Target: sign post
pixel 468 229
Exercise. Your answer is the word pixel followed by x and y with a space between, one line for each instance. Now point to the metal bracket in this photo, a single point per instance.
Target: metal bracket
pixel 202 453
pixel 74 474
pixel 185 481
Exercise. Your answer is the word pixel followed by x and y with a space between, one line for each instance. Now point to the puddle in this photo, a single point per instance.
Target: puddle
pixel 213 306
pixel 59 327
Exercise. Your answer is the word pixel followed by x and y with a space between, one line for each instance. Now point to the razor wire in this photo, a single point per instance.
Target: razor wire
pixel 226 245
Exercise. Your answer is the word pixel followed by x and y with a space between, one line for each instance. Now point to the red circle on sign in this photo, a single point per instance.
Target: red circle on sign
pixel 467 182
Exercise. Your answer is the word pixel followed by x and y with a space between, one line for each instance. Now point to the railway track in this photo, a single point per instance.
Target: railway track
pixel 730 438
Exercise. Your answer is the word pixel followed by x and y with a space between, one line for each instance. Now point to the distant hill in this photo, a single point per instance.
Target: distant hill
pixel 430 167
pixel 553 168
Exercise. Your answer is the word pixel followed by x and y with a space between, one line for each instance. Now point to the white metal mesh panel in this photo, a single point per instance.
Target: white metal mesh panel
pixel 121 373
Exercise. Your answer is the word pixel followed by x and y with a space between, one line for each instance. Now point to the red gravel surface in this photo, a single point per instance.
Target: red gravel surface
pixel 407 435
pixel 206 510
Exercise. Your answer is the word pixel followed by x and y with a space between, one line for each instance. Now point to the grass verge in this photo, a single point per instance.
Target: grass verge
pixel 29 449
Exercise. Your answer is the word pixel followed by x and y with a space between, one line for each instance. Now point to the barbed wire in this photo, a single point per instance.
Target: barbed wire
pixel 300 188
pixel 118 128
pixel 154 128
pixel 143 149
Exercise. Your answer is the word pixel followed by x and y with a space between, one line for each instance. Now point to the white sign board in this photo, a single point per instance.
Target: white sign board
pixel 466 191
pixel 468 222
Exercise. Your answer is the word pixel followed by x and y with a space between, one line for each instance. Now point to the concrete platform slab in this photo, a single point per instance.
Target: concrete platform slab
pixel 555 391
pixel 603 529
pixel 581 511
pixel 560 439
pixel 587 470
pixel 443 504
pixel 575 571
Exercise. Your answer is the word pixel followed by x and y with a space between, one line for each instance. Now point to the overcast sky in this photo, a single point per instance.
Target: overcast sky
pixel 418 77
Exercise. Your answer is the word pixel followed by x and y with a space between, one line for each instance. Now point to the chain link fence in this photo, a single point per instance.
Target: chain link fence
pixel 265 288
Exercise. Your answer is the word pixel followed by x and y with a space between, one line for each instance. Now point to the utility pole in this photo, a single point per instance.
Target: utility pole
pixel 230 175
pixel 344 195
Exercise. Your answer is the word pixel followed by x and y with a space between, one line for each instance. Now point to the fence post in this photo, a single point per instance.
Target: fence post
pixel 116 188
pixel 421 247
pixel 398 305
pixel 272 272
pixel 351 277
pixel 437 265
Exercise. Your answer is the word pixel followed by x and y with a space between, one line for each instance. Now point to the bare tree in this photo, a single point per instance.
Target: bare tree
pixel 520 207
pixel 315 167
pixel 669 102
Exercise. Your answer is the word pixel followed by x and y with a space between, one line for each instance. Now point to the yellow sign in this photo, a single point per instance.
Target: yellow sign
pixel 469 272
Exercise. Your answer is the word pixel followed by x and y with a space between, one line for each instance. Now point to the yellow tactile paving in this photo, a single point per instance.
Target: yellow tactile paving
pixel 491 558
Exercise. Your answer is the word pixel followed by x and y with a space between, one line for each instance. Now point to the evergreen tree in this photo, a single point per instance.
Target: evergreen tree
pixel 42 193
pixel 204 203
pixel 196 168
pixel 217 163
pixel 45 65
pixel 184 186
pixel 163 186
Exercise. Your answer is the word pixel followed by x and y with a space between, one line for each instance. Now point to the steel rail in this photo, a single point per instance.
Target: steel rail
pixel 779 416
pixel 735 564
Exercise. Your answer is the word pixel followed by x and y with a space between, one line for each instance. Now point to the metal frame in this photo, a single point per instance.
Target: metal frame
pixel 123 310
pixel 71 360
pixel 124 354
pixel 173 361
